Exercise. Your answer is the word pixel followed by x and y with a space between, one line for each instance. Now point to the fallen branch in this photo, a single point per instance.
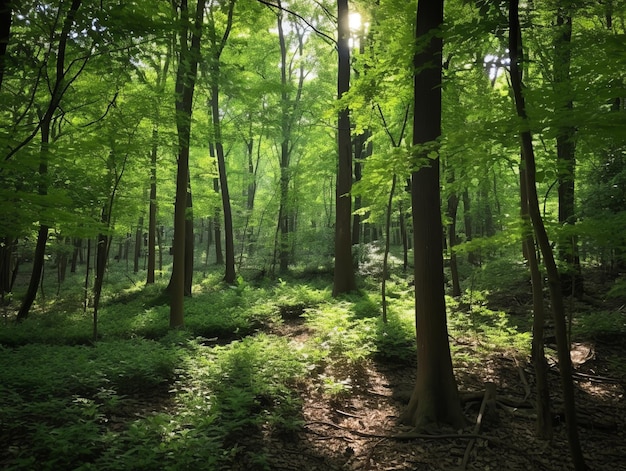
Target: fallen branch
pixel 404 435
pixel 490 395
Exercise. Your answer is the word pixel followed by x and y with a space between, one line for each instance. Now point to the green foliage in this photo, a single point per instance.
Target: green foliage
pixel 599 324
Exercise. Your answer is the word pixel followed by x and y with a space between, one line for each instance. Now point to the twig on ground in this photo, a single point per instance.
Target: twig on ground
pixel 490 395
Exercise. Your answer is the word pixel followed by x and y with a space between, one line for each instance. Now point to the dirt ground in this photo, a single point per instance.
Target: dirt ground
pixel 356 431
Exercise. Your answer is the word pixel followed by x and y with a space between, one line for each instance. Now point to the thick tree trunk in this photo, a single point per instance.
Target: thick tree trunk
pixel 344 280
pixel 435 399
pixel 556 296
pixel 185 84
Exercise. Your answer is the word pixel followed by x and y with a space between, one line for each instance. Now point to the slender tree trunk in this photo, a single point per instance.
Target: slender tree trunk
pixel 138 244
pixel 102 249
pixel 185 84
pixel 46 123
pixel 565 151
pixel 554 284
pixel 152 211
pixel 217 46
pixel 189 241
pixel 435 398
pixel 383 287
pixel 452 208
pixel 6 15
pixel 543 424
pixel 467 222
pixel 344 280
pixel 405 238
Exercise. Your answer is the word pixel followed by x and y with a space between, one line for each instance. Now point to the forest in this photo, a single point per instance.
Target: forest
pixel 313 235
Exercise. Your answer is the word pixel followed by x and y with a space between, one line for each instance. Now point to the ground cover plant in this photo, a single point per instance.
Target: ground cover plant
pixel 280 375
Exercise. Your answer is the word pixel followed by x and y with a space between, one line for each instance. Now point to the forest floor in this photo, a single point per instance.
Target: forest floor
pixel 301 384
pixel 356 430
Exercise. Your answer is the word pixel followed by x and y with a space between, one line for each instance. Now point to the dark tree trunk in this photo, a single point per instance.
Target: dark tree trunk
pixel 543 424
pixel 46 122
pixel 554 284
pixel 452 208
pixel 185 84
pixel 217 46
pixel 435 398
pixel 5 33
pixel 138 244
pixel 565 151
pixel 152 211
pixel 344 280
pixel 189 242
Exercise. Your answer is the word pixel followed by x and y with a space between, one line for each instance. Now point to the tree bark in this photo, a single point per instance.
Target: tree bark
pixel 565 150
pixel 554 284
pixel 217 46
pixel 452 208
pixel 185 84
pixel 152 211
pixel 344 281
pixel 543 424
pixel 6 16
pixel 58 89
pixel 435 398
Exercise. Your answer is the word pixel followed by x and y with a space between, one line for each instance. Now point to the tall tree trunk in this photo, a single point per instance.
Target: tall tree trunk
pixel 185 84
pixel 543 423
pixel 217 46
pixel 189 241
pixel 152 211
pixel 383 286
pixel 56 95
pixel 554 284
pixel 565 150
pixel 468 223
pixel 452 207
pixel 344 280
pixel 138 244
pixel 6 16
pixel 435 398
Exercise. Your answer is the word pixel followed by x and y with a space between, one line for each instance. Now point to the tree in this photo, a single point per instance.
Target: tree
pixel 435 396
pixel 343 281
pixel 58 87
pixel 6 15
pixel 185 85
pixel 216 45
pixel 554 284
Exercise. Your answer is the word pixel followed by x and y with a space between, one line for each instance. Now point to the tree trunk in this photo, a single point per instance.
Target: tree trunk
pixel 383 287
pixel 452 208
pixel 543 424
pixel 152 211
pixel 217 46
pixel 185 84
pixel 189 241
pixel 435 398
pixel 467 222
pixel 46 122
pixel 556 296
pixel 138 244
pixel 6 16
pixel 344 280
pixel 565 151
